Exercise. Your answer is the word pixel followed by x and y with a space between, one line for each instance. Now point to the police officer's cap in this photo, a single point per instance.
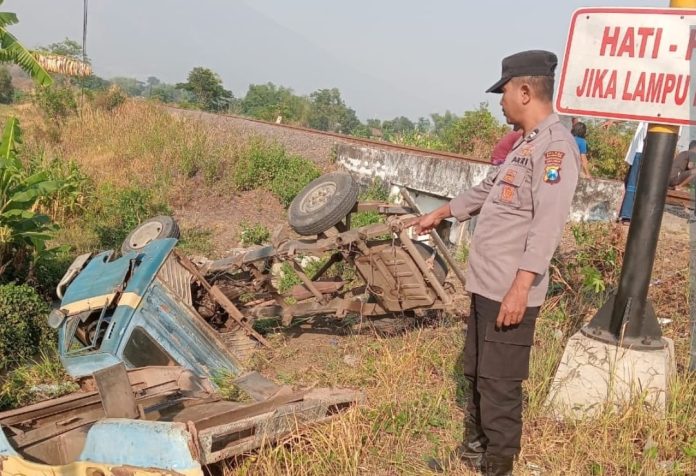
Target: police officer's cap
pixel 525 63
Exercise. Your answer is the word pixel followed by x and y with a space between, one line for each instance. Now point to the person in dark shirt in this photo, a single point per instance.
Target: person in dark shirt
pixel 579 131
pixel 683 171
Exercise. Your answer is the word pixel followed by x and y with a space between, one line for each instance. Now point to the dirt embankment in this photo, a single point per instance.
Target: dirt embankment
pixel 311 146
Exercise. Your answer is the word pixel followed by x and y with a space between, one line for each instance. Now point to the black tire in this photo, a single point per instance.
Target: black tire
pixel 323 203
pixel 153 229
pixel 439 265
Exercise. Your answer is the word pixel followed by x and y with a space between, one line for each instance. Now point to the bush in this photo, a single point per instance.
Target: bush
pixel 607 149
pixel 269 166
pixel 7 91
pixel 70 199
pixel 56 102
pixel 118 211
pixel 110 99
pixel 24 331
pixel 475 133
pixel 594 268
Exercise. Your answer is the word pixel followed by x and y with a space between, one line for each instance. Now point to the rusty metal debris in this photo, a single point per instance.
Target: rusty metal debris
pixel 163 418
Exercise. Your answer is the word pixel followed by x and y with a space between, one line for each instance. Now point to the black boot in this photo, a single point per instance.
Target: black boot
pixel 462 455
pixel 495 465
pixel 475 442
pixel 469 453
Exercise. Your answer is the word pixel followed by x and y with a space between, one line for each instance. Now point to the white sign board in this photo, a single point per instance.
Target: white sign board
pixel 631 64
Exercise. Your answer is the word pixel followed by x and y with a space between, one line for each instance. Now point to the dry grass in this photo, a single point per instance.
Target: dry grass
pixel 412 413
pixel 139 143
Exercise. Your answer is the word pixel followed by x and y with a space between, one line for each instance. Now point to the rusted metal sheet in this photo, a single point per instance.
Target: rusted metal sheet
pixel 177 278
pixel 182 424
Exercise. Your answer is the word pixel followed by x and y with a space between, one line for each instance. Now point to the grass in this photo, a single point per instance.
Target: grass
pixel 35 381
pixel 254 234
pixel 411 413
pixel 197 241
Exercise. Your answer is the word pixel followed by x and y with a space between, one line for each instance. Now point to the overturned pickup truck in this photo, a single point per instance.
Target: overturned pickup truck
pixel 152 306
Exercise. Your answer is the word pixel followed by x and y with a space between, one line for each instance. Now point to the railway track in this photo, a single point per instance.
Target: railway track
pixel 674 197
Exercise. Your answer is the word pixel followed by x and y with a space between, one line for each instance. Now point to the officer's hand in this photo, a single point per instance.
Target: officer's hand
pixel 427 223
pixel 514 303
pixel 512 309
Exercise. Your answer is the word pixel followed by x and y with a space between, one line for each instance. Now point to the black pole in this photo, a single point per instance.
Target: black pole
pixel 628 318
pixel 692 291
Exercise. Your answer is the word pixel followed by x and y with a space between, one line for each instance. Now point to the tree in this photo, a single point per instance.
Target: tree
pixel 72 50
pixel 130 86
pixel 152 81
pixel 92 82
pixel 164 93
pixel 206 87
pixel 6 88
pixel 442 122
pixel 328 112
pixel 268 101
pixel 398 125
pixel 475 133
pixel 423 126
pixel 67 47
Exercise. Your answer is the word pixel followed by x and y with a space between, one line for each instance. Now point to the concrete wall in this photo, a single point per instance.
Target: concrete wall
pixel 441 179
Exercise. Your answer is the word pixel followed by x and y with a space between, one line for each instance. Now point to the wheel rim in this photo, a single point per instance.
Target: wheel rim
pixel 144 235
pixel 318 197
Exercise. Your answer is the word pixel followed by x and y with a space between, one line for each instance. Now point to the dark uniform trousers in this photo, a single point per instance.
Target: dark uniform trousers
pixel 495 363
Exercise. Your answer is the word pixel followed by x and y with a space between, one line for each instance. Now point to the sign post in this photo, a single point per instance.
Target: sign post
pixel 633 64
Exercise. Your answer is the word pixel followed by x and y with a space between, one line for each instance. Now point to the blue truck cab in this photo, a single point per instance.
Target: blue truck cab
pixel 137 309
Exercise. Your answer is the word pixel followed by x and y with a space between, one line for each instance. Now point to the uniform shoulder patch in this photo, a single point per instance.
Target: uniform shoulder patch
pixel 552 166
pixel 554 155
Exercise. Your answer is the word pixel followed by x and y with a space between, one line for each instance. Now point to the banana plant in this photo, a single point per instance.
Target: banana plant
pixel 22 230
pixel 12 51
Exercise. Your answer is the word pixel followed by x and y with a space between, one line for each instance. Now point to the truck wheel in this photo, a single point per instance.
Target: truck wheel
pixel 439 265
pixel 323 203
pixel 153 229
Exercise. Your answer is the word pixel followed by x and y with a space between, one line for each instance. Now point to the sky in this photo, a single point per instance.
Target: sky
pixel 387 57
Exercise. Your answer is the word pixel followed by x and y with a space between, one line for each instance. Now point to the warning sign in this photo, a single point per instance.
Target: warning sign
pixel 630 63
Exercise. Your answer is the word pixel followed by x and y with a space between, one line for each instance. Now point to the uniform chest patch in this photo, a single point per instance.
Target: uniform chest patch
pixel 526 151
pixel 507 195
pixel 510 176
pixel 552 166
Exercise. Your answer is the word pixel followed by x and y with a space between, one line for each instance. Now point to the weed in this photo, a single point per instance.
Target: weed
pixel 288 278
pixel 34 382
pixel 254 234
pixel 263 165
pixel 375 191
pixel 462 254
pixel 224 381
pixel 118 211
pixel 197 241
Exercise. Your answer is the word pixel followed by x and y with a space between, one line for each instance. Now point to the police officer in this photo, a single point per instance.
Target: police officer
pixel 522 207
